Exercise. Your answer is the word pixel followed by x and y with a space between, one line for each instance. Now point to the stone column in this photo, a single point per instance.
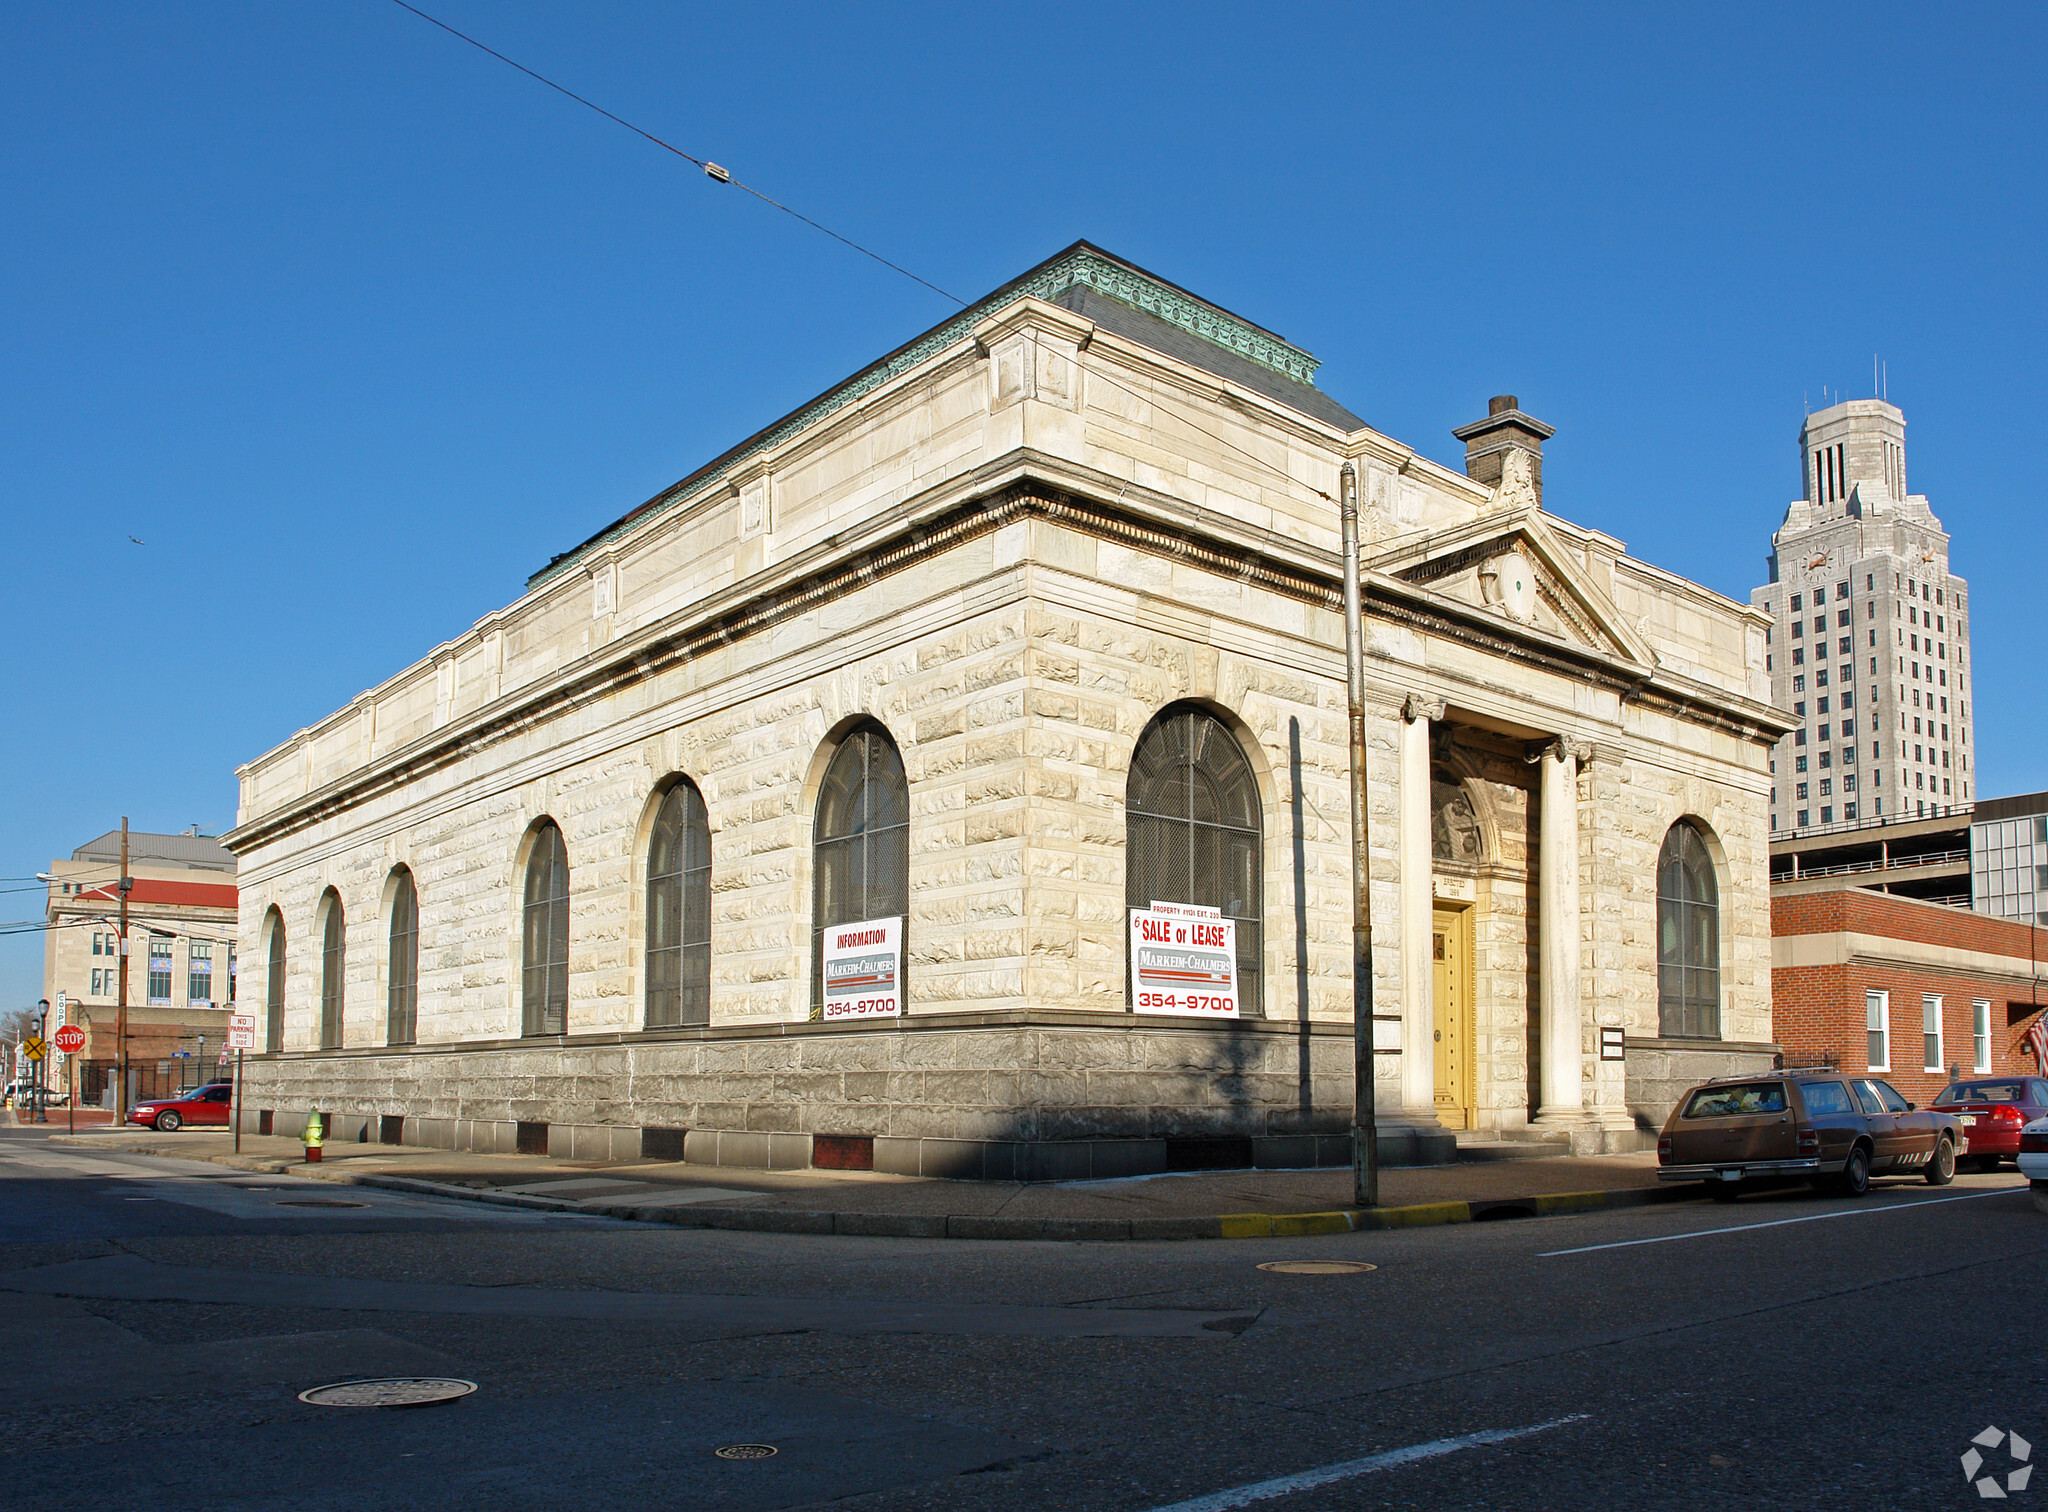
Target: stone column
pixel 1561 1009
pixel 1418 901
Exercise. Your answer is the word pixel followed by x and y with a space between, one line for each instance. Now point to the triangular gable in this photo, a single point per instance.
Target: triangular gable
pixel 1562 600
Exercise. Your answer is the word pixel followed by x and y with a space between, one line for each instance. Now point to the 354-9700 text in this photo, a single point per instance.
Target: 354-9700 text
pixel 1186 1002
pixel 860 1008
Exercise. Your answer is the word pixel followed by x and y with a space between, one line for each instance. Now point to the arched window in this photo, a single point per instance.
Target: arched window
pixel 402 1001
pixel 330 971
pixel 862 844
pixel 1192 836
pixel 273 993
pixel 679 911
pixel 544 953
pixel 1688 938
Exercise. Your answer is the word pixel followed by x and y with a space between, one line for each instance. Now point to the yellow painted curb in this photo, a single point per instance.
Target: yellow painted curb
pixel 1569 1202
pixel 1289 1225
pixel 1247 1225
pixel 1420 1215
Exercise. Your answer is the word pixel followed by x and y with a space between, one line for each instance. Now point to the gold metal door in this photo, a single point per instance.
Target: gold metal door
pixel 1451 948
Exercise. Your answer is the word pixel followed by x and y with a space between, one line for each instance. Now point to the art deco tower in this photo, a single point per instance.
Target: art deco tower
pixel 1870 642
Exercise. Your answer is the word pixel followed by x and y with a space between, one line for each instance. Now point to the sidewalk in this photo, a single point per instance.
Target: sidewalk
pixel 1194 1205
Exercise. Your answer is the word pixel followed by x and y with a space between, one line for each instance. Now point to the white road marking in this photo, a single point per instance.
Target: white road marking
pixel 1392 1459
pixel 1743 1228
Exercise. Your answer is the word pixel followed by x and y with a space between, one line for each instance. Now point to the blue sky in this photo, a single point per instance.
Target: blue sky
pixel 356 327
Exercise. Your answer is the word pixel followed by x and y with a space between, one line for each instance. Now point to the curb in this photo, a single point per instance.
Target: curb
pixel 956 1226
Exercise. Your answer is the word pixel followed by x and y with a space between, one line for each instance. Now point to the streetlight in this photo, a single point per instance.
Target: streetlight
pixel 43 1064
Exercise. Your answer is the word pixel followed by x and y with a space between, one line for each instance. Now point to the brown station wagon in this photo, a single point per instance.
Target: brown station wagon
pixel 1833 1129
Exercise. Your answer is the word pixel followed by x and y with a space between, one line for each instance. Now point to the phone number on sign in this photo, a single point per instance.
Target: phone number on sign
pixel 863 1008
pixel 1187 1002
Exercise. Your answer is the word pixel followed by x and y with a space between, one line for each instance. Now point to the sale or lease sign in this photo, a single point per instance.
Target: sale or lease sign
pixel 863 968
pixel 1184 961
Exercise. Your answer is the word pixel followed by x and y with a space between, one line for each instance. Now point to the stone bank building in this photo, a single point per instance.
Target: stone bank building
pixel 1024 636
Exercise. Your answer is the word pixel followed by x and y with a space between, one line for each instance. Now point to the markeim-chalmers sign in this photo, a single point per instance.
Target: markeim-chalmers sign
pixel 864 969
pixel 1183 961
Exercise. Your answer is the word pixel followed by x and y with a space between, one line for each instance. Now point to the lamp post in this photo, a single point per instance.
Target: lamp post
pixel 1365 1136
pixel 42 1076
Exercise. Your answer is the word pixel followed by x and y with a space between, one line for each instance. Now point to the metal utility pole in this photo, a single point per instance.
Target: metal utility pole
pixel 121 1012
pixel 1365 1134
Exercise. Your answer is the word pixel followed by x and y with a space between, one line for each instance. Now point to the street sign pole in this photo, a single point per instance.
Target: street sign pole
pixel 238 1102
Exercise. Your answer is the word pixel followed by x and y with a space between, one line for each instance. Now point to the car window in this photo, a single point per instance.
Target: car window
pixel 1738 1101
pixel 218 1094
pixel 1867 1096
pixel 1893 1101
pixel 1825 1097
pixel 1986 1091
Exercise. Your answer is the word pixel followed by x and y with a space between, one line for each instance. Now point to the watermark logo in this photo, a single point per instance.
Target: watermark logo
pixel 2017 1450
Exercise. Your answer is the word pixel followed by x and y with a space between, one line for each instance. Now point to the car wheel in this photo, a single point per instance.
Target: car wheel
pixel 1941 1169
pixel 1855 1178
pixel 169 1122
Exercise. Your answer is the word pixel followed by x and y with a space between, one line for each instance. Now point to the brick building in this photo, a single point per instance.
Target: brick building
pixel 1917 992
pixel 181 963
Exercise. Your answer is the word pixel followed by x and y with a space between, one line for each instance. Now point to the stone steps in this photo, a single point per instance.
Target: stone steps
pixel 1477 1145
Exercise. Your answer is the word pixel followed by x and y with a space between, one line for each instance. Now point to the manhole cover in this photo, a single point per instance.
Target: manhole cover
pixel 1317 1267
pixel 391 1391
pixel 745 1451
pixel 316 1202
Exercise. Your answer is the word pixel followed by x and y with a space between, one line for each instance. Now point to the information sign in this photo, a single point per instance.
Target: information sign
pixel 1183 961
pixel 70 1039
pixel 863 969
pixel 241 1031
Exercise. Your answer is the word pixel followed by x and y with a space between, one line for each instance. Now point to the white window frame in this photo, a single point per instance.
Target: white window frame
pixel 1980 1035
pixel 1930 1039
pixel 1877 1024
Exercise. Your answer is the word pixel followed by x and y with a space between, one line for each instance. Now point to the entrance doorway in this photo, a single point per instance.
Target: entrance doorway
pixel 1451 950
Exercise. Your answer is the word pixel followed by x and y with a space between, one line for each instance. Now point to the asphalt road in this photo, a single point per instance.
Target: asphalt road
pixel 159 1318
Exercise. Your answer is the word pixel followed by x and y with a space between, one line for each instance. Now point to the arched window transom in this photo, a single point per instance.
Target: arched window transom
pixel 544 946
pixel 331 970
pixel 273 991
pixel 1194 831
pixel 861 845
pixel 402 1001
pixel 1688 938
pixel 679 911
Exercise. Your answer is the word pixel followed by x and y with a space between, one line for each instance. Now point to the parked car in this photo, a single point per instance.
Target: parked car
pixel 2033 1160
pixel 210 1104
pixel 1831 1129
pixel 26 1094
pixel 1993 1110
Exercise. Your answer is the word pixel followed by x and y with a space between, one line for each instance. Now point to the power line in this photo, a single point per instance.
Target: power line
pixel 711 170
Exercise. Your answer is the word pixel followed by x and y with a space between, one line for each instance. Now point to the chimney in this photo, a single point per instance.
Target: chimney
pixel 1505 429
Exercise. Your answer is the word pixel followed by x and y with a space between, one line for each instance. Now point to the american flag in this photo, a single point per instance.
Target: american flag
pixel 2037 1041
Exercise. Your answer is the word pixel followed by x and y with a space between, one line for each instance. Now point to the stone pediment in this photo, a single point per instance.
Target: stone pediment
pixel 1511 566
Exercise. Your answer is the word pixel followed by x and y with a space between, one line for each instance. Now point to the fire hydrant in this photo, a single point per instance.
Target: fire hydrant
pixel 312 1138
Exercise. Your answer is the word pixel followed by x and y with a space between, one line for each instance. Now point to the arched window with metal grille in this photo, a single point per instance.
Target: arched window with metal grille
pixel 332 941
pixel 402 1000
pixel 1688 937
pixel 1193 831
pixel 544 948
pixel 273 992
pixel 861 846
pixel 679 911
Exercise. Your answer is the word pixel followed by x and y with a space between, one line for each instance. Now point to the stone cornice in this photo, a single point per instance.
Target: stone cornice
pixel 1022 485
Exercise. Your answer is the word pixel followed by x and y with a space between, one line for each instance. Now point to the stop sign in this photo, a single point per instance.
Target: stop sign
pixel 70 1039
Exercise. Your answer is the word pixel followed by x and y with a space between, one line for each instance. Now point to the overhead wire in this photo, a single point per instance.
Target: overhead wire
pixel 711 170
pixel 722 175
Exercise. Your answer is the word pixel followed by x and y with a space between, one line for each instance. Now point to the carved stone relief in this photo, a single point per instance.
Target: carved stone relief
pixel 1453 823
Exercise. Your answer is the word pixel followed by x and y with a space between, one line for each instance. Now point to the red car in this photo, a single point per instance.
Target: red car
pixel 202 1105
pixel 1993 1110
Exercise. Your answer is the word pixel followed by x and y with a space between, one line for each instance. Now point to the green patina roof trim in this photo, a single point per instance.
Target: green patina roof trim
pixel 1078 265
